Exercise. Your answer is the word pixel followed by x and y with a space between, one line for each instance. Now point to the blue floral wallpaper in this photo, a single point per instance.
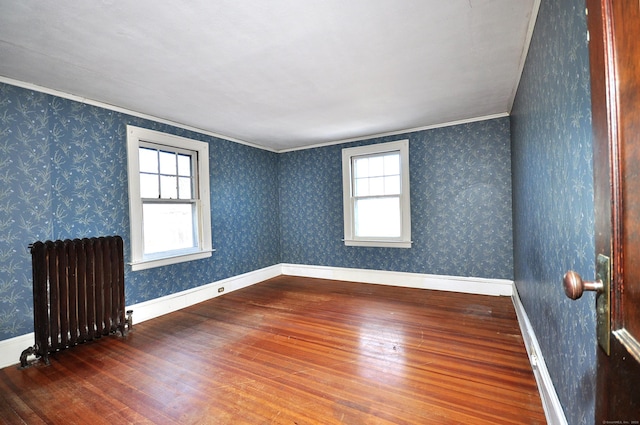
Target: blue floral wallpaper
pixel 63 172
pixel 553 200
pixel 460 205
pixel 63 175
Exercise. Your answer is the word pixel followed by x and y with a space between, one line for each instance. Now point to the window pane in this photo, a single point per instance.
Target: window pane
pixel 184 188
pixel 376 166
pixel 168 163
pixel 361 166
pixel 184 165
pixel 168 187
pixel 392 185
pixel 149 186
pixel 148 160
pixel 378 217
pixel 362 187
pixel 376 186
pixel 392 164
pixel 382 173
pixel 168 227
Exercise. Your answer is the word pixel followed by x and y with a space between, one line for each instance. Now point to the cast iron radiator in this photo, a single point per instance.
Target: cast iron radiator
pixel 78 293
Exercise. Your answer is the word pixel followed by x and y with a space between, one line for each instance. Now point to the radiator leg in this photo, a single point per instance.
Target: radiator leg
pixel 129 320
pixel 32 351
pixel 23 357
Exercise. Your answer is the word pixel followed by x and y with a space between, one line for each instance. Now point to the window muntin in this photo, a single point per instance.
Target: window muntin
pixel 376 195
pixel 169 198
pixel 166 174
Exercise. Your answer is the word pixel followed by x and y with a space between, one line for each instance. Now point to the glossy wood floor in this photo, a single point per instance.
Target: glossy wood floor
pixel 294 351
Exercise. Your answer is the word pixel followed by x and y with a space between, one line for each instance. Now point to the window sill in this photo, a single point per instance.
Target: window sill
pixel 379 244
pixel 165 261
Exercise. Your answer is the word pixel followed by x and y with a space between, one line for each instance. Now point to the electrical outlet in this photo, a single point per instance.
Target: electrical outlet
pixel 220 289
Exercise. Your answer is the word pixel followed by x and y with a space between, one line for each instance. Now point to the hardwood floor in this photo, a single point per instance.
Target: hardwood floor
pixel 294 351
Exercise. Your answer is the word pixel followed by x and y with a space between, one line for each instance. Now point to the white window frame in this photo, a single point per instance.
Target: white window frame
pixel 350 238
pixel 136 138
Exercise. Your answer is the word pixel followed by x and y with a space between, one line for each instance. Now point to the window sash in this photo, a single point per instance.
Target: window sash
pixel 353 235
pixel 190 178
pixel 175 242
pixel 387 220
pixel 199 198
pixel 382 176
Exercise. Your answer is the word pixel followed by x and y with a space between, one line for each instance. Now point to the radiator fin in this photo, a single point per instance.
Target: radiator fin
pixel 78 293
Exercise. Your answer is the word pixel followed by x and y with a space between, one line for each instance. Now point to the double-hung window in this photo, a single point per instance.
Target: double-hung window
pixel 168 197
pixel 376 195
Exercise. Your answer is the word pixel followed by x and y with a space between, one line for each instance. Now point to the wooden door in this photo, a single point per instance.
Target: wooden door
pixel 614 28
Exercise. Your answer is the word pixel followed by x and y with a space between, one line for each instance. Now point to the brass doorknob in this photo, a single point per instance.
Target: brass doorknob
pixel 574 286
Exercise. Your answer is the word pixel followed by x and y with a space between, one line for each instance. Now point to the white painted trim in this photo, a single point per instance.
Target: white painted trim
pixel 349 195
pixel 142 137
pixel 399 132
pixel 470 285
pixel 10 349
pixel 87 101
pixel 525 51
pixel 550 401
pixel 168 304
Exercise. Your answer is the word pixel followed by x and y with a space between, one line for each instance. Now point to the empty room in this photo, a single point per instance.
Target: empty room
pixel 304 212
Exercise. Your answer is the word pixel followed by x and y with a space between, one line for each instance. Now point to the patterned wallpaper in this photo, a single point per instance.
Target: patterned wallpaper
pixel 63 175
pixel 553 200
pixel 460 205
pixel 63 169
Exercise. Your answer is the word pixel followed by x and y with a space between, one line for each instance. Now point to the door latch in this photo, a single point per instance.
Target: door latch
pixel 603 303
pixel 574 286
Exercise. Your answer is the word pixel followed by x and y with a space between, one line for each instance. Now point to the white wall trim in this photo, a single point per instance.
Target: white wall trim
pixel 470 285
pixel 168 304
pixel 399 132
pixel 10 349
pixel 525 51
pixel 550 401
pixel 87 101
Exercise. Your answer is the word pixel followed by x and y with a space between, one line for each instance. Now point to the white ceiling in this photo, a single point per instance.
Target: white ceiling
pixel 280 74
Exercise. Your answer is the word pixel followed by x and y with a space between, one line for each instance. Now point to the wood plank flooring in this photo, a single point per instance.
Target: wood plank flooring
pixel 294 351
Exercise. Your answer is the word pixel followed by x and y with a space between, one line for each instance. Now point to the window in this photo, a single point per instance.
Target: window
pixel 376 195
pixel 168 198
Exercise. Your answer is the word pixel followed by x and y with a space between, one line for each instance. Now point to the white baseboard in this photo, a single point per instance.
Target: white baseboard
pixel 470 285
pixel 159 306
pixel 10 349
pixel 550 401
